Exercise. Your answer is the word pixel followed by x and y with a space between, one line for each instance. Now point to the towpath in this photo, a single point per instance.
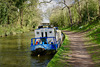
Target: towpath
pixel 79 57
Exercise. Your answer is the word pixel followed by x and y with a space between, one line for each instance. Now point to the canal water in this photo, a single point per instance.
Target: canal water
pixel 15 52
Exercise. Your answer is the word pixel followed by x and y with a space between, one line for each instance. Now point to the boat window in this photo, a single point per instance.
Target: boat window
pixel 42 34
pixel 37 32
pixel 50 31
pixel 45 34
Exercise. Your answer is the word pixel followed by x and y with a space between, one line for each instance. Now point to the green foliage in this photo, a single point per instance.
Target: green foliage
pixel 90 22
pixel 93 43
pixel 22 13
pixel 57 18
pixel 88 10
pixel 92 10
pixel 10 12
pixel 32 15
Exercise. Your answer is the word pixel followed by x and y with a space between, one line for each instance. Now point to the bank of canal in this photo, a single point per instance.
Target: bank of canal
pixel 15 52
pixel 59 60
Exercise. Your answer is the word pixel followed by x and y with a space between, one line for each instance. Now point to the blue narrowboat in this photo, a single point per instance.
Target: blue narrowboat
pixel 46 39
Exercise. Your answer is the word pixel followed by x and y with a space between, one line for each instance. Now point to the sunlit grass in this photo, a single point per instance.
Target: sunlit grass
pixel 59 60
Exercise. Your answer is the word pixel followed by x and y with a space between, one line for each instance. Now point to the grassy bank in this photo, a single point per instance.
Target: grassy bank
pixel 59 60
pixel 6 30
pixel 92 28
pixel 93 37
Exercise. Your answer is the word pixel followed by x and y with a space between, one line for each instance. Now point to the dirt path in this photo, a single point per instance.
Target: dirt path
pixel 79 55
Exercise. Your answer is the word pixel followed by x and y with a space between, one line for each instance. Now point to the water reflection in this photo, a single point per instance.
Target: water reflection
pixel 36 61
pixel 15 52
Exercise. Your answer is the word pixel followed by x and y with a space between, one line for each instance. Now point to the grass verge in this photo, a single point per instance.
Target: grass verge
pixel 94 51
pixel 59 60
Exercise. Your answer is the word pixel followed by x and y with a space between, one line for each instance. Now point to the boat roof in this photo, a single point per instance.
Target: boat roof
pixel 44 28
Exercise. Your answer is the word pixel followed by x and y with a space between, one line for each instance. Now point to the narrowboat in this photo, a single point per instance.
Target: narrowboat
pixel 47 40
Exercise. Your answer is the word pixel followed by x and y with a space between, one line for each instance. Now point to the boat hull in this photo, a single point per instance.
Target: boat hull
pixel 46 47
pixel 43 52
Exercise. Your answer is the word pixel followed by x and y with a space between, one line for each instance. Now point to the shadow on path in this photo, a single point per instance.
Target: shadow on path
pixel 79 57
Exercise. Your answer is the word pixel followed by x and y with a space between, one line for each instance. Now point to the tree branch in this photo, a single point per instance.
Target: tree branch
pixel 46 2
pixel 63 7
pixel 64 2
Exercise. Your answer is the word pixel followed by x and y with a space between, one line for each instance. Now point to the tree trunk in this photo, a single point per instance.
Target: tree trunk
pixel 8 20
pixel 0 16
pixel 70 15
pixel 21 17
pixel 99 6
pixel 79 11
pixel 87 10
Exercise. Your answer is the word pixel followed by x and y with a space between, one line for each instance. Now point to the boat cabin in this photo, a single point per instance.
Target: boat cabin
pixel 46 38
pixel 45 32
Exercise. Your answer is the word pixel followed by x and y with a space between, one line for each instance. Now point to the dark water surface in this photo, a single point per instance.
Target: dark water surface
pixel 15 52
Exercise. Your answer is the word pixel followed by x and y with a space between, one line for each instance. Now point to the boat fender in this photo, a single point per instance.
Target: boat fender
pixel 38 55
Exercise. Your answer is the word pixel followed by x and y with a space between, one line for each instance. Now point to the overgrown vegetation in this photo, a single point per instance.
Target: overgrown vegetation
pixel 89 11
pixel 85 17
pixel 59 60
pixel 18 15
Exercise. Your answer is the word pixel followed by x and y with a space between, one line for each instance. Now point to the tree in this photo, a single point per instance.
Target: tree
pixel 32 15
pixel 8 12
pixel 99 6
pixel 57 18
pixel 79 11
pixel 68 7
pixel 69 10
pixel 25 11
pixel 20 4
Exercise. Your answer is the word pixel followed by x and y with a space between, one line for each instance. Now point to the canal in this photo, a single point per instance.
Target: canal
pixel 15 52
